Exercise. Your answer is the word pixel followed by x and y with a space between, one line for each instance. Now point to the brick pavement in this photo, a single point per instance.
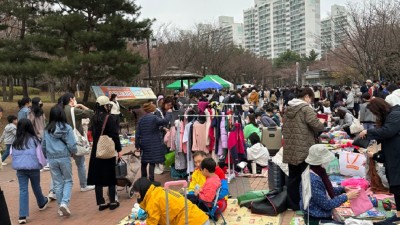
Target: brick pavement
pixel 83 204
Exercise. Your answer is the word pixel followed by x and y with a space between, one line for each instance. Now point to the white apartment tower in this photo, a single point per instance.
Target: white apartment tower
pixel 333 28
pixel 232 33
pixel 273 26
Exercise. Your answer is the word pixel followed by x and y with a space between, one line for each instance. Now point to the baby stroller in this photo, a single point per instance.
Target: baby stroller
pixel 133 165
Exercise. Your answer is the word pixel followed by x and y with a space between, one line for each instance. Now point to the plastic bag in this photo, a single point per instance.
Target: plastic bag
pixel 169 159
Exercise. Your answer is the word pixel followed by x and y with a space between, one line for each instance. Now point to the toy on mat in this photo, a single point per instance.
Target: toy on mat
pixel 387 205
pixel 138 213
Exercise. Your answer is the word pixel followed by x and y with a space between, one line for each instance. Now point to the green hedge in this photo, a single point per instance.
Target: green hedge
pixel 18 90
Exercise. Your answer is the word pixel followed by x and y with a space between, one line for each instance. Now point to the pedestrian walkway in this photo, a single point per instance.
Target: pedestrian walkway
pixel 83 204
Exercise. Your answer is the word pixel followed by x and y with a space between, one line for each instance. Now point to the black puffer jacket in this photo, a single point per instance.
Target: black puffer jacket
pixel 148 138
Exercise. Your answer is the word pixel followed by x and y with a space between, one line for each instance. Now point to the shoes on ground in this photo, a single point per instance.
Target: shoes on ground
pixel 22 220
pixel 87 188
pixel 60 213
pixel 242 165
pixel 4 164
pixel 114 205
pixel 104 206
pixel 65 210
pixel 45 205
pixel 46 168
pixel 52 196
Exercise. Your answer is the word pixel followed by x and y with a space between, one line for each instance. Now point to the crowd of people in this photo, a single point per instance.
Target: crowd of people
pixel 376 105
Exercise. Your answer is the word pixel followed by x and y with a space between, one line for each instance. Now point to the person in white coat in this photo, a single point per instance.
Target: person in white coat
pixel 257 153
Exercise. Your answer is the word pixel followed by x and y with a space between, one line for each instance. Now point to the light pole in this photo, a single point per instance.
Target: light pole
pixel 204 68
pixel 153 45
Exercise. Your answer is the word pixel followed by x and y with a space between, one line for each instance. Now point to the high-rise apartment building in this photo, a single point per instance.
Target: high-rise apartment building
pixel 333 28
pixel 232 33
pixel 273 26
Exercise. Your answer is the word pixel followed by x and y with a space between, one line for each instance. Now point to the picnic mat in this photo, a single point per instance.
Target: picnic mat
pixel 234 215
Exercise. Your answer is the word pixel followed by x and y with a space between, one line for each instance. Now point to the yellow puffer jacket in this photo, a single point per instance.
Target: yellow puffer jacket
pixel 155 205
pixel 197 178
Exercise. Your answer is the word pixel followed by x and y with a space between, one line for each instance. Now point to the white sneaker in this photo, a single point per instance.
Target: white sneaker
pixel 242 165
pixel 157 170
pixel 87 188
pixel 4 164
pixel 65 210
pixel 46 168
pixel 52 196
pixel 60 213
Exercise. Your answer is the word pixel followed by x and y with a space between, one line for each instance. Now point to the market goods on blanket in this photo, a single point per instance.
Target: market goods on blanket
pixel 352 164
pixel 334 137
pixel 333 167
pixel 356 182
pixel 372 214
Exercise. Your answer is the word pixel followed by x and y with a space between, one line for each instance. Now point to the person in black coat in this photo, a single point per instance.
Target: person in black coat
pixel 102 171
pixel 387 132
pixel 148 139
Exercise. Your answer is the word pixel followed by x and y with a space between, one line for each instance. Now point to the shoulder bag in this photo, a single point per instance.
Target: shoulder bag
pixel 273 204
pixel 105 145
pixel 82 143
pixel 356 126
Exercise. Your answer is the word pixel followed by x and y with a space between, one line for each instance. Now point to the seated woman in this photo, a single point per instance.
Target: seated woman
pixel 346 119
pixel 152 199
pixel 324 197
pixel 257 153
pixel 251 126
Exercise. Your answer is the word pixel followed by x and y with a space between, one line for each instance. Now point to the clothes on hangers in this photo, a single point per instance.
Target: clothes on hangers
pixel 199 137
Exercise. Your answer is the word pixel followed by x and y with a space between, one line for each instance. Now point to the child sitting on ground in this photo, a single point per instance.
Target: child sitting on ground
pixel 205 195
pixel 257 153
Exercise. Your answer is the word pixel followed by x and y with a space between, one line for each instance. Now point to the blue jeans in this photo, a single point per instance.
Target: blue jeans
pixel 23 179
pixel 61 174
pixel 6 152
pixel 80 163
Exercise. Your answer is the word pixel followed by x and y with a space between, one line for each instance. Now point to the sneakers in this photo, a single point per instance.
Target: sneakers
pixel 4 164
pixel 87 188
pixel 22 220
pixel 60 213
pixel 46 168
pixel 65 210
pixel 114 205
pixel 104 206
pixel 242 165
pixel 157 170
pixel 52 196
pixel 45 205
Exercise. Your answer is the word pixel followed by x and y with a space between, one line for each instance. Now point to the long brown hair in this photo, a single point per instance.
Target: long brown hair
pixel 380 108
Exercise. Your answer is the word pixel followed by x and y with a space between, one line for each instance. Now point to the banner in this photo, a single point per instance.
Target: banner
pixel 124 93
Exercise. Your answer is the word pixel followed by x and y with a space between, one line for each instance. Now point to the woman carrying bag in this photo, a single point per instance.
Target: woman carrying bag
pixel 102 170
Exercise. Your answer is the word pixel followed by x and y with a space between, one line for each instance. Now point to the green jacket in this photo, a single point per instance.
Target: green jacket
pixel 249 129
pixel 79 115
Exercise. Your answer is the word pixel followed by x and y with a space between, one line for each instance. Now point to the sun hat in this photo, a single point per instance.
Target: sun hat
pixel 103 100
pixel 319 154
pixel 368 81
pixel 149 107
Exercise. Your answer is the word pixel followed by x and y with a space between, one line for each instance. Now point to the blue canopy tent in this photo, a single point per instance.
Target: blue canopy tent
pixel 204 85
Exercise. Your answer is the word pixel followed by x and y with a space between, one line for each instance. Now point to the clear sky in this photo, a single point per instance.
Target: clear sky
pixel 185 13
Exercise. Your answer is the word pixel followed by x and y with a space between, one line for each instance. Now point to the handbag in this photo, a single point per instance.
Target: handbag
pixel 39 154
pixel 121 169
pixel 105 145
pixel 4 215
pixel 356 126
pixel 273 204
pixel 82 143
pixel 362 143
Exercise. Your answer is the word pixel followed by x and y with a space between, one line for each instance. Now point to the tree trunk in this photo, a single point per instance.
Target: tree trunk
pixel 87 92
pixel 52 92
pixel 25 86
pixel 4 88
pixel 11 89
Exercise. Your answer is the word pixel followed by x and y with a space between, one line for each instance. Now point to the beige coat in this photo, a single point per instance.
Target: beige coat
pixel 300 126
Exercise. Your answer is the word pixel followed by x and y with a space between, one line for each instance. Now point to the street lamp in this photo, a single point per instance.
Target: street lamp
pixel 153 43
pixel 204 68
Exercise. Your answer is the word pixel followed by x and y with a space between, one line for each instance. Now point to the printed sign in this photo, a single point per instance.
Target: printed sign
pixel 124 93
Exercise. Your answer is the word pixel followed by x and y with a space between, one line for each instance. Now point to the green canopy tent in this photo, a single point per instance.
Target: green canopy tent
pixel 217 79
pixel 177 84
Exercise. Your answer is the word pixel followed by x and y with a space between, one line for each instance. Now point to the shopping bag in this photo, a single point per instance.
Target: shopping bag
pixel 352 164
pixel 82 143
pixel 121 169
pixel 169 159
pixel 4 215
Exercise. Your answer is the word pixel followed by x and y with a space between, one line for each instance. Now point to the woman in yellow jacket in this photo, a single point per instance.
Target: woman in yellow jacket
pixel 152 200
